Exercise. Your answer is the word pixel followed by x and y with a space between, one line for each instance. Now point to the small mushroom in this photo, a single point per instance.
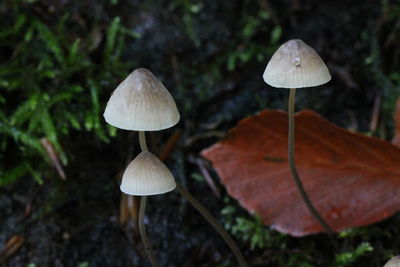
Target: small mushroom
pixel 141 103
pixel 393 262
pixel 146 175
pixel 296 65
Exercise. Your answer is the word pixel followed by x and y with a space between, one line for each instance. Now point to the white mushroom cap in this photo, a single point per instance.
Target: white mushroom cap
pixel 146 175
pixel 141 103
pixel 394 262
pixel 294 65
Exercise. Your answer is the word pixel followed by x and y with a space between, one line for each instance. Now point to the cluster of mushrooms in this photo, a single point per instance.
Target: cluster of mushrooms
pixel 142 103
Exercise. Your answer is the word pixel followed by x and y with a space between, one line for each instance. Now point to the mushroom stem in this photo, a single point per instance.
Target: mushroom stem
pixel 142 210
pixel 217 226
pixel 293 169
pixel 142 141
pixel 143 235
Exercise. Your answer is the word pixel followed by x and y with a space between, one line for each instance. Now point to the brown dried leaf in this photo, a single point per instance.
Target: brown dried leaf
pixel 352 179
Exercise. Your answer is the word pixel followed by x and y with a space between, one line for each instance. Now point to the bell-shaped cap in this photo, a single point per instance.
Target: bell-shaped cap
pixel 146 175
pixel 394 262
pixel 141 103
pixel 294 65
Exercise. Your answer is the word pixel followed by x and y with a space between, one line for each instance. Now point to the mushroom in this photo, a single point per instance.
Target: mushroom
pixel 146 175
pixel 393 262
pixel 296 65
pixel 141 103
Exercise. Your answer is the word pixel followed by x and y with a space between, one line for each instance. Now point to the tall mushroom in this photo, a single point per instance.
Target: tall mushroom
pixel 296 65
pixel 142 103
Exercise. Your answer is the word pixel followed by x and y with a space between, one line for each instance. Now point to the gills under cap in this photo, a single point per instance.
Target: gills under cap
pixel 146 175
pixel 294 65
pixel 141 103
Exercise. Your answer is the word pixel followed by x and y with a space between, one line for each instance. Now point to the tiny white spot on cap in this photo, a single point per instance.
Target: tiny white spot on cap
pixel 296 62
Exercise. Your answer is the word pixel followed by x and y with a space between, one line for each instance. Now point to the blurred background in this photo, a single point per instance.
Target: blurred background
pixel 61 164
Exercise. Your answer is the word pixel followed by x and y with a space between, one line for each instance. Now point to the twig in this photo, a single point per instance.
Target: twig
pixel 375 113
pixel 396 136
pixel 204 135
pixel 169 145
pixel 51 152
pixel 200 163
pixel 11 247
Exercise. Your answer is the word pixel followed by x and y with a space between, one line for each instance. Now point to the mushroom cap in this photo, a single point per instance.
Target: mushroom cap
pixel 146 175
pixel 141 103
pixel 294 65
pixel 394 262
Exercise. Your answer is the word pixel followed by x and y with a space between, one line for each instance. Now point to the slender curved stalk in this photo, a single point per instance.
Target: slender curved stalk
pixel 142 141
pixel 293 169
pixel 217 226
pixel 142 210
pixel 143 235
